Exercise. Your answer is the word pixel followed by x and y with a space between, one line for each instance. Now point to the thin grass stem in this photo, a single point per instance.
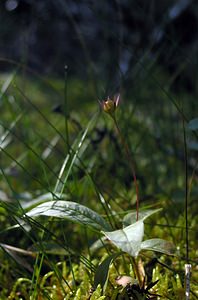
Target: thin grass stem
pixel 128 155
pixel 66 110
pixel 186 192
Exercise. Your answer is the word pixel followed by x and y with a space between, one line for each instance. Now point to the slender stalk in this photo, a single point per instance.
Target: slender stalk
pixel 187 265
pixel 186 194
pixel 66 111
pixel 137 273
pixel 128 155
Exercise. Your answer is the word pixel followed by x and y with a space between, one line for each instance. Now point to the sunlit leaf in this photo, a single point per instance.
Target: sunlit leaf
pixel 142 215
pixel 158 245
pixel 129 238
pixel 71 211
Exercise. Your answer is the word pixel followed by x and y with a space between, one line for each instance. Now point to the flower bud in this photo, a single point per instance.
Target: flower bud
pixel 109 106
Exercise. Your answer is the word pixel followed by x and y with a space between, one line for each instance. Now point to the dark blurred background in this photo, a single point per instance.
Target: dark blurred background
pixel 107 38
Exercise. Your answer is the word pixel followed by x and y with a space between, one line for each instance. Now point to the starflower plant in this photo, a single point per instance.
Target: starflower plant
pixel 109 106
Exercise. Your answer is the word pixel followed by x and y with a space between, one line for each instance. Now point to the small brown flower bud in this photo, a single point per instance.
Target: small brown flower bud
pixel 109 106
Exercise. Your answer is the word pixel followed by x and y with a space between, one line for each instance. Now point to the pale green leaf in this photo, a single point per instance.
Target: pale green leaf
pixel 131 217
pixel 129 238
pixel 72 211
pixel 158 245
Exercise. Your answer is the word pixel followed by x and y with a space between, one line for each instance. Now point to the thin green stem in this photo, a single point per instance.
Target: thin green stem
pixel 66 110
pixel 186 193
pixel 128 155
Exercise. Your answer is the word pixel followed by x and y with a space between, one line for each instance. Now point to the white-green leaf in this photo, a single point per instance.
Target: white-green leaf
pixel 72 211
pixel 193 124
pixel 158 245
pixel 129 238
pixel 131 217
